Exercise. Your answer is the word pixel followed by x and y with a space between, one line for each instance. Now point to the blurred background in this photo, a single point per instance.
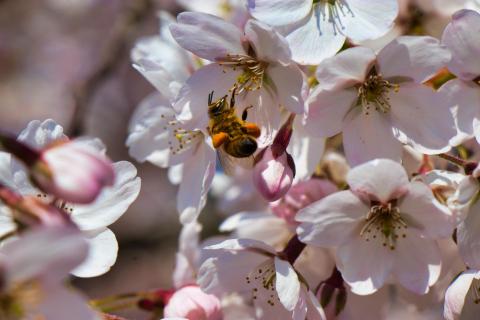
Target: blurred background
pixel 69 60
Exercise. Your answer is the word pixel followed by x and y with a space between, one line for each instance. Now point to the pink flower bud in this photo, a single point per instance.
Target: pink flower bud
pixel 273 174
pixel 301 195
pixel 192 303
pixel 72 172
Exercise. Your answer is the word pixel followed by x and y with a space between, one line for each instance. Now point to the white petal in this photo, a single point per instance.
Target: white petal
pixel 162 63
pixel 267 43
pixel 192 100
pixel 425 213
pixel 260 226
pixel 197 177
pixel 153 137
pixel 423 118
pixel 456 295
pixel 468 237
pixel 39 134
pixel 286 283
pixel 345 69
pixel 464 102
pixel 380 180
pixel 461 37
pixel 102 254
pixel 365 265
pixel 418 262
pixel 6 222
pixel 327 111
pixel 369 136
pixel 306 151
pixel 412 57
pixel 279 12
pixel 243 244
pixel 332 220
pixel 368 20
pixel 288 83
pixel 112 202
pixel 207 36
pixel 314 39
pixel 188 255
pixel 47 252
pixel 225 272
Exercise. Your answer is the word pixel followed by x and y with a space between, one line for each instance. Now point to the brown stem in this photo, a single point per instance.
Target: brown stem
pixel 112 56
pixel 468 166
pixel 293 249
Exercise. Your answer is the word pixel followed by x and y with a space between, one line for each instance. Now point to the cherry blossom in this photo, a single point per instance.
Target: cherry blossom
pixel 256 61
pixel 276 289
pixel 464 92
pixel 379 103
pixel 93 218
pixel 316 30
pixel 384 225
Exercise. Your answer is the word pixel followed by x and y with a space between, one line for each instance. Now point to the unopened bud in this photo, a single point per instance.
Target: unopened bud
pixel 274 167
pixel 273 176
pixel 192 303
pixel 72 172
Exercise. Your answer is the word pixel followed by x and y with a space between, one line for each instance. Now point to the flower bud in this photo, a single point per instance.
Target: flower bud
pixel 274 167
pixel 273 176
pixel 192 303
pixel 72 172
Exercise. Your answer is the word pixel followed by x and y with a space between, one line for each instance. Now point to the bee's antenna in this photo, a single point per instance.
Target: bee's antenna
pixel 232 98
pixel 210 98
pixel 245 113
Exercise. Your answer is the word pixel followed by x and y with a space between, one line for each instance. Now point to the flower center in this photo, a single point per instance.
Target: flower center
pixel 179 138
pixel 332 11
pixel 384 222
pixel 253 71
pixel 262 279
pixel 13 303
pixel 374 92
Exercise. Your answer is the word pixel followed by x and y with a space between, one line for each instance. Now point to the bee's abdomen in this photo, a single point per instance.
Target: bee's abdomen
pixel 241 147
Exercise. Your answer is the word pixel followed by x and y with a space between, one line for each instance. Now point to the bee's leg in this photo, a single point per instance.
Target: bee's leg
pixel 218 139
pixel 232 98
pixel 245 113
pixel 210 98
pixel 251 129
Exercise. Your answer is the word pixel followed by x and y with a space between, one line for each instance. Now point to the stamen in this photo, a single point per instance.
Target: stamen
pixel 374 91
pixel 336 10
pixel 262 279
pixel 253 71
pixel 384 221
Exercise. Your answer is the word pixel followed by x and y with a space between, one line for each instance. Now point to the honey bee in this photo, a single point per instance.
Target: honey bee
pixel 231 134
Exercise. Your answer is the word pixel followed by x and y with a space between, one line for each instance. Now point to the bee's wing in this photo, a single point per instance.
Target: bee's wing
pixel 230 164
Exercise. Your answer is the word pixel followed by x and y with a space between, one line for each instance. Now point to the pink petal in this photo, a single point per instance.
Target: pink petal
pixel 425 213
pixel 367 137
pixel 346 69
pixel 327 111
pixel 422 117
pixel 279 12
pixel 365 265
pixel 267 43
pixel 415 58
pixel 380 180
pixel 461 37
pixel 207 36
pixel 332 220
pixel 417 262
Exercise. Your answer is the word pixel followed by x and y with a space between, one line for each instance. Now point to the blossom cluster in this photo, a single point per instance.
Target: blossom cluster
pixel 340 142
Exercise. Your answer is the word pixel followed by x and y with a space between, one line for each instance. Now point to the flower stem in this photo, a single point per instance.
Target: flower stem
pixel 293 249
pixel 468 166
